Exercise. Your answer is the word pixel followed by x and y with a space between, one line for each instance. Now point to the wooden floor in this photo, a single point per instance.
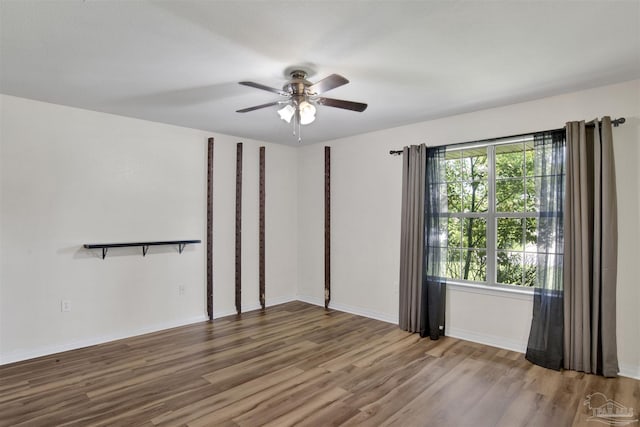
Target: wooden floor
pixel 297 365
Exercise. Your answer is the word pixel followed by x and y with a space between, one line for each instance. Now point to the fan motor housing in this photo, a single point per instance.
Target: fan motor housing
pixel 298 83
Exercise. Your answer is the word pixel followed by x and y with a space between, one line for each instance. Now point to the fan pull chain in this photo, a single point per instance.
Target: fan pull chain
pixel 295 120
pixel 296 124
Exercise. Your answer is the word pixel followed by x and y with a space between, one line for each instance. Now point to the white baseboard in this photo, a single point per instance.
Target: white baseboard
pixel 20 355
pixel 626 370
pixel 486 339
pixel 310 300
pixel 462 334
pixel 349 309
pixel 629 371
pixel 251 307
pixel 280 300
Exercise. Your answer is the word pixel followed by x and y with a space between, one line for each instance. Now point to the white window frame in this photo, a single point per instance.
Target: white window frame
pixel 491 216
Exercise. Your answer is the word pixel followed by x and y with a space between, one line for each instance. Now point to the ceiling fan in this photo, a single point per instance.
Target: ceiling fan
pixel 301 97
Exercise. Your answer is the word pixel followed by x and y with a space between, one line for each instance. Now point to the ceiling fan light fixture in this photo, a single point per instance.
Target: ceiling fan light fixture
pixel 287 112
pixel 302 98
pixel 307 113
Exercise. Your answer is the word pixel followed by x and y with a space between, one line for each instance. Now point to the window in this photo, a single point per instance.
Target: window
pixel 492 214
pixel 467 173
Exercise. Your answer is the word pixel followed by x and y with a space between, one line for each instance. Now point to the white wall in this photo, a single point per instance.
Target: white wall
pixel 365 201
pixel 71 176
pixel 281 224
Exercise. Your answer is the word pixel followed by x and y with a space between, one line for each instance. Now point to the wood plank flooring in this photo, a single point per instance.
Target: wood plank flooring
pixel 296 364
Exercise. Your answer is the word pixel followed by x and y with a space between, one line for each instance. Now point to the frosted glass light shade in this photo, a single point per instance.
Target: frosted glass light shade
pixel 307 113
pixel 286 113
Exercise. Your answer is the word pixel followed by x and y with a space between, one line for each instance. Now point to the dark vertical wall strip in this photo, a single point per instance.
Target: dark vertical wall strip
pixel 239 228
pixel 210 228
pixel 261 226
pixel 327 226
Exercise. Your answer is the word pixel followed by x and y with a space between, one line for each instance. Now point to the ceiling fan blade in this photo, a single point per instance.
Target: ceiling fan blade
pixel 339 103
pixel 326 84
pixel 263 87
pixel 257 107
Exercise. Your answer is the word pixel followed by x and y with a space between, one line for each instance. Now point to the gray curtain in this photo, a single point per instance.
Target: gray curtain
pixel 591 245
pixel 545 346
pixel 435 243
pixel 412 236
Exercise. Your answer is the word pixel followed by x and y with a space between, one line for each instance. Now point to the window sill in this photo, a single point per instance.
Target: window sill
pixel 499 291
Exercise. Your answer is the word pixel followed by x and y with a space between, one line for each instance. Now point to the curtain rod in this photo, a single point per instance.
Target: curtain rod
pixel 615 122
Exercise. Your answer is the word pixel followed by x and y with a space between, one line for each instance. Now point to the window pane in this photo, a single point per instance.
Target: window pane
pixel 475 165
pixel 474 265
pixel 453 166
pixel 455 232
pixel 509 160
pixel 529 156
pixel 550 270
pixel 453 263
pixel 532 197
pixel 474 233
pixel 550 239
pixel 509 268
pixel 454 197
pixel 509 233
pixel 530 264
pixel 442 192
pixel 531 235
pixel 510 195
pixel 475 198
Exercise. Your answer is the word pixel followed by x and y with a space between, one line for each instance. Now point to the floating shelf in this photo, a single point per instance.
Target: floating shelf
pixel 145 245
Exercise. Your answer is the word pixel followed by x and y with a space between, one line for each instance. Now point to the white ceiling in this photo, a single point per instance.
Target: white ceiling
pixel 179 62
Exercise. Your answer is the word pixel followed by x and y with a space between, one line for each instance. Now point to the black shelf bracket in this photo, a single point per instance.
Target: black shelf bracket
pixel 145 245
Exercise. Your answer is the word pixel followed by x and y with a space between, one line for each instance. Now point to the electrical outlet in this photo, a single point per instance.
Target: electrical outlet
pixel 65 305
pixel 181 290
